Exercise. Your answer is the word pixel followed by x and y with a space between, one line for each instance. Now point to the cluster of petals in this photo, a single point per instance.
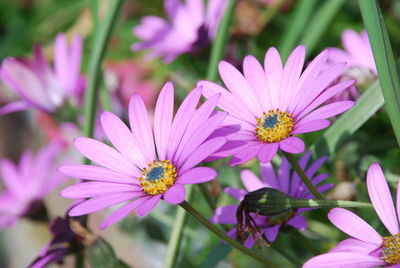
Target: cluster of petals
pixel 190 26
pixel 284 180
pixel 364 248
pixel 28 183
pixel 184 141
pixel 38 84
pixel 289 89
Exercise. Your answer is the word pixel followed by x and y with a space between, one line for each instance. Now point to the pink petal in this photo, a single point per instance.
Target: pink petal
pixel 163 118
pixel 225 215
pixel 140 126
pixel 121 212
pixel 91 189
pixel 250 181
pixel 246 154
pixel 311 126
pixel 343 260
pixel 148 205
pixel 176 194
pixel 381 198
pixel 354 226
pixel 15 106
pixel 292 145
pixel 197 175
pixel 273 72
pixel 235 193
pixel 354 246
pixel 99 203
pixel 328 111
pixel 104 155
pixel 96 173
pixel 268 152
pixel 11 178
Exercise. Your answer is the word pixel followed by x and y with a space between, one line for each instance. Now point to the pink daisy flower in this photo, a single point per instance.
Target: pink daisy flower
pixel 273 103
pixel 146 167
pixel 27 184
pixel 366 248
pixel 285 181
pixel 38 84
pixel 190 27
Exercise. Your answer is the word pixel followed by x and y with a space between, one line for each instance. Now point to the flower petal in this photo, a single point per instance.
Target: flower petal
pixel 298 222
pixel 272 232
pixel 250 181
pixel 343 260
pixel 381 198
pixel 292 145
pixel 197 175
pixel 148 205
pixel 354 226
pixel 90 189
pixel 311 126
pixel 176 194
pixel 225 215
pixel 15 106
pixel 246 154
pixel 235 193
pixel 268 152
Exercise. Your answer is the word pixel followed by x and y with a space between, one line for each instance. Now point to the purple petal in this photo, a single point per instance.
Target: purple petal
pixel 327 111
pixel 272 232
pixel 250 181
pixel 225 215
pixel 163 118
pixel 140 126
pixel 148 205
pixel 311 126
pixel 176 194
pixel 197 175
pixel 11 179
pixel 235 193
pixel 15 106
pixel 91 189
pixel 96 173
pixel 121 212
pixel 246 154
pixel 354 246
pixel 268 175
pixel 292 145
pixel 343 260
pixel 99 203
pixel 104 155
pixel 298 222
pixel 381 198
pixel 267 152
pixel 354 226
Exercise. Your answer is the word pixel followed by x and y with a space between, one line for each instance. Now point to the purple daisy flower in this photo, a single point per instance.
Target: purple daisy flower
pixel 189 28
pixel 285 181
pixel 275 103
pixel 144 167
pixel 27 184
pixel 366 248
pixel 38 84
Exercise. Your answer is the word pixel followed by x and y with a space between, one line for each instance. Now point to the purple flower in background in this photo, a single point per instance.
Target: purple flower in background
pixel 190 26
pixel 273 103
pixel 357 53
pixel 144 167
pixel 38 84
pixel 27 184
pixel 284 180
pixel 366 248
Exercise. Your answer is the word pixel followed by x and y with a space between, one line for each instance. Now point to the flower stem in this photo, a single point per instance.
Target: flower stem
pixel 219 44
pixel 192 211
pixel 177 231
pixel 302 175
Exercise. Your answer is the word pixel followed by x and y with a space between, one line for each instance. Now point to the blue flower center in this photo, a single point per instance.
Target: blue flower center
pixel 155 173
pixel 270 121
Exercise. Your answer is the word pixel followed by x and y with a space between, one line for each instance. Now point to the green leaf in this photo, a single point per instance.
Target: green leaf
pixel 350 122
pixel 384 60
pixel 101 254
pixel 217 253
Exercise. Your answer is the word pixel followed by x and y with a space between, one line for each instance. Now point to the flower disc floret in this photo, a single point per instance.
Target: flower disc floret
pixel 275 126
pixel 158 177
pixel 391 249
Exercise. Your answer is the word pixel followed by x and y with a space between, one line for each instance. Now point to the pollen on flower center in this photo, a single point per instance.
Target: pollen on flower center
pixel 391 249
pixel 158 177
pixel 274 126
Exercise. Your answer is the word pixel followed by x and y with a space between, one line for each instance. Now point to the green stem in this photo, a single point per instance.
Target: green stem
pixel 102 35
pixel 206 194
pixel 302 175
pixel 384 60
pixel 219 44
pixel 192 211
pixel 177 232
pixel 311 203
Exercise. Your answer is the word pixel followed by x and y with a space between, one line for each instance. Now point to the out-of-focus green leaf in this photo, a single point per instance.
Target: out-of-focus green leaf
pixel 217 253
pixel 101 254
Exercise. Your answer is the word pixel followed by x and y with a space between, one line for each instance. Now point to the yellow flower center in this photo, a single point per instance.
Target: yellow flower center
pixel 391 249
pixel 274 126
pixel 158 177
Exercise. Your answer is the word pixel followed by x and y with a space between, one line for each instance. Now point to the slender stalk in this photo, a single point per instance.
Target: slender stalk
pixel 102 35
pixel 311 203
pixel 384 60
pixel 177 232
pixel 218 48
pixel 302 175
pixel 192 211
